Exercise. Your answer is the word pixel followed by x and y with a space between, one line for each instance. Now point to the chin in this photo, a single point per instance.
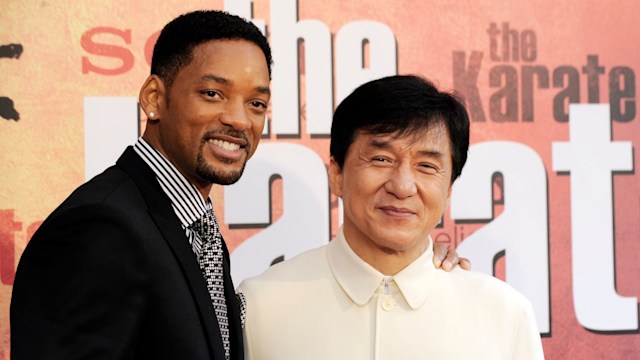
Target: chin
pixel 220 176
pixel 404 243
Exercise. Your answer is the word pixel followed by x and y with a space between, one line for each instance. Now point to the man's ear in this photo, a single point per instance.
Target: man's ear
pixel 152 95
pixel 335 177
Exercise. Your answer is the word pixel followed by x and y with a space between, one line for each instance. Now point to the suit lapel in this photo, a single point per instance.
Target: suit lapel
pixel 168 224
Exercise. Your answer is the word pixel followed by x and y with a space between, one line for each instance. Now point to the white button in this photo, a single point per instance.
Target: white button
pixel 387 304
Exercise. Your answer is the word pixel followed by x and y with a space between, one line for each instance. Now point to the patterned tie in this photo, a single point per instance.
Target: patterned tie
pixel 210 260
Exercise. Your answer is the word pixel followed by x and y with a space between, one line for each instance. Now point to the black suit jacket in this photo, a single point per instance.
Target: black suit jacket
pixel 110 274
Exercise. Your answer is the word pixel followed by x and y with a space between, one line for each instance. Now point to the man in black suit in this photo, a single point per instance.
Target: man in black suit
pixel 132 265
pixel 114 271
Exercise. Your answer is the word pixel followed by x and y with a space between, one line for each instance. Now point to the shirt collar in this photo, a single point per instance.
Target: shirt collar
pixel 360 280
pixel 186 200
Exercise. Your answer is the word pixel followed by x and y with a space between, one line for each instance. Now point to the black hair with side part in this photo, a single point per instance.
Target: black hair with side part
pixel 174 48
pixel 402 105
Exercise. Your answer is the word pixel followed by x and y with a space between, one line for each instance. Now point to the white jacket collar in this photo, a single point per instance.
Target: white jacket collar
pixel 360 280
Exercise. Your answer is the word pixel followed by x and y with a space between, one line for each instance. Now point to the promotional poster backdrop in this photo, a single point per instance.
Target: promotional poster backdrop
pixel 549 200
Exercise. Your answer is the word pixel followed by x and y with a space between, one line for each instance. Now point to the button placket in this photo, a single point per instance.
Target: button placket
pixel 387 303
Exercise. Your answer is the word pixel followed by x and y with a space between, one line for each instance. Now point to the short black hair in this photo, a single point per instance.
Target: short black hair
pixel 174 48
pixel 403 105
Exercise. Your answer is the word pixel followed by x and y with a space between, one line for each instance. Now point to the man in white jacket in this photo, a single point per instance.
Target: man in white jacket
pixel 397 146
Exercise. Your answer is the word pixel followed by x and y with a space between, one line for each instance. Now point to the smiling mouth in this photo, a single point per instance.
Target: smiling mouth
pixel 228 150
pixel 397 212
pixel 225 144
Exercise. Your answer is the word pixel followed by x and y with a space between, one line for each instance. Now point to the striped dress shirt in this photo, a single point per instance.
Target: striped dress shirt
pixel 186 200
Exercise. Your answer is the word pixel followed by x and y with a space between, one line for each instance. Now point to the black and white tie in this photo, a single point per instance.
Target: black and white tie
pixel 210 260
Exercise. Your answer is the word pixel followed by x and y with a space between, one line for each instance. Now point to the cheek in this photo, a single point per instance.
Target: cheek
pixel 256 129
pixel 257 122
pixel 256 134
pixel 439 199
pixel 448 201
pixel 254 147
pixel 359 195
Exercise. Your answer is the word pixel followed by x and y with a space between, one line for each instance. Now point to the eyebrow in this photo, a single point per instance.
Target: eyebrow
pixel 379 144
pixel 224 81
pixel 431 153
pixel 216 78
pixel 384 144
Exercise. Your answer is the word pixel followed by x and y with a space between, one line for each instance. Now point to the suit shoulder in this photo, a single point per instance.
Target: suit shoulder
pixel 107 206
pixel 113 185
pixel 110 194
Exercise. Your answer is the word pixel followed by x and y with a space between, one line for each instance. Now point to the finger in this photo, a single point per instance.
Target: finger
pixel 439 254
pixel 465 263
pixel 451 261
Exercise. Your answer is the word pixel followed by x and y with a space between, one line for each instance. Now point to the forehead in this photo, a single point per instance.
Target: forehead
pixel 238 57
pixel 434 137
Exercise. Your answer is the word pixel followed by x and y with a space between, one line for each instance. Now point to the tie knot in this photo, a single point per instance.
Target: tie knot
pixel 206 226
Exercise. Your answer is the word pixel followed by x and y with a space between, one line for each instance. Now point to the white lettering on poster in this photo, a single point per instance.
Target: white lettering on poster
pixel 286 31
pixel 591 158
pixel 350 55
pixel 521 231
pixel 305 221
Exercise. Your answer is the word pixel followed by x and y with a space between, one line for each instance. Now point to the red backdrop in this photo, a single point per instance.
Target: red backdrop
pixel 518 65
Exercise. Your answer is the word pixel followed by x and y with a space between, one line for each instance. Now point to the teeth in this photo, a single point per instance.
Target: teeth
pixel 225 144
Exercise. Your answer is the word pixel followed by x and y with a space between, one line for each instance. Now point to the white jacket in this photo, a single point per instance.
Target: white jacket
pixel 329 304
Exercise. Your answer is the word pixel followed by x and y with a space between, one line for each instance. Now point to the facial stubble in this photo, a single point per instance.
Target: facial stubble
pixel 212 175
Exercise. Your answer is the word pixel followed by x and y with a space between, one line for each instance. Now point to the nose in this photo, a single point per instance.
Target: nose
pixel 235 116
pixel 401 182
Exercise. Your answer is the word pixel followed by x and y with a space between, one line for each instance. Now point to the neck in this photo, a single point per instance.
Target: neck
pixel 204 191
pixel 151 137
pixel 387 261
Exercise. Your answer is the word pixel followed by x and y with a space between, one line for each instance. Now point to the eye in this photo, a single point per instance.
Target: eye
pixel 258 104
pixel 380 160
pixel 211 93
pixel 259 107
pixel 428 168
